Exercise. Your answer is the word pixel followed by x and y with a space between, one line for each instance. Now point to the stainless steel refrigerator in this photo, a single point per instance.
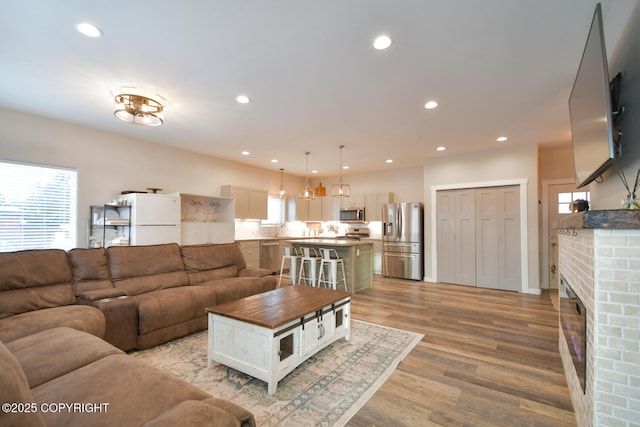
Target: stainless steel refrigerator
pixel 402 240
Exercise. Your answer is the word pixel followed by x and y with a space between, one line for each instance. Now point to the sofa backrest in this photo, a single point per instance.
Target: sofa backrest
pixel 15 391
pixel 141 269
pixel 34 279
pixel 212 262
pixel 90 269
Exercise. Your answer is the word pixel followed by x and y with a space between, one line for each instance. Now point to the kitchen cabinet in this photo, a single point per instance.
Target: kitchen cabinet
pixel 356 201
pixel 206 219
pixel 377 256
pixel 373 203
pixel 318 209
pixel 251 252
pixel 250 203
pixel 110 225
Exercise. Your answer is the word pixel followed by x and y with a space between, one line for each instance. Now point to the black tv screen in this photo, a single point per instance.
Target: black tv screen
pixel 590 109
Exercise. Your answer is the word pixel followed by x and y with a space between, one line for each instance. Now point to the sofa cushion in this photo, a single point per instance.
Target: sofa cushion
pixel 207 257
pixel 227 272
pixel 80 317
pixel 135 392
pixel 194 413
pixel 14 390
pixel 34 279
pixel 170 307
pixel 234 288
pixel 90 269
pixel 72 349
pixel 142 269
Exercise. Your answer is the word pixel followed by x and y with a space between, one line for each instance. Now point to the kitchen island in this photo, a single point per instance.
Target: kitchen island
pixel 357 255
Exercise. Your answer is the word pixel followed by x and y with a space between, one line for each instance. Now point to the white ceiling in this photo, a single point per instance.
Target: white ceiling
pixel 497 67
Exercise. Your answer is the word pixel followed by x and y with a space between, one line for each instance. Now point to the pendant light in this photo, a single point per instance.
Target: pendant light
pixel 282 191
pixel 306 192
pixel 340 189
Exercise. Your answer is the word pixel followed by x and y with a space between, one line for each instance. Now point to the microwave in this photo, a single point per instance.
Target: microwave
pixel 352 215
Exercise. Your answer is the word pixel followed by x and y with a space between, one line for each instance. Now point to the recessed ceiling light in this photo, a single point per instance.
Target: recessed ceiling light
pixel 430 105
pixel 245 153
pixel 389 161
pixel 382 42
pixel 243 99
pixel 89 30
pixel 501 138
pixel 314 171
pixel 274 160
pixel 345 167
pixel 441 148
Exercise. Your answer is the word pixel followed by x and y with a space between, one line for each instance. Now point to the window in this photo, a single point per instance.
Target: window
pixel 565 200
pixel 38 206
pixel 275 210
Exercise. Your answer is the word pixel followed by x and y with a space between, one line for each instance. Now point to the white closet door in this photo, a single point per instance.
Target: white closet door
pixel 479 237
pixel 446 217
pixel 487 237
pixel 509 267
pixel 466 238
pixel 456 236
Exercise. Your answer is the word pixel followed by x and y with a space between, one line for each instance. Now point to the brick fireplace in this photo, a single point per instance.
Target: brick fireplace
pixel 599 257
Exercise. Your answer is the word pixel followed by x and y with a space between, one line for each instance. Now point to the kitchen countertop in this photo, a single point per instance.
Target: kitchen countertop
pixel 332 242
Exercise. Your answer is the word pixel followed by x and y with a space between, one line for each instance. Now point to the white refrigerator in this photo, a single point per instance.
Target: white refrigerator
pixel 155 218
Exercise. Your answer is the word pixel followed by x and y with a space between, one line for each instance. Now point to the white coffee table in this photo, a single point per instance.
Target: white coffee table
pixel 269 334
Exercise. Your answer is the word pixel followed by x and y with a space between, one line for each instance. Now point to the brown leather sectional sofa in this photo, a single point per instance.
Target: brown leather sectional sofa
pixel 55 307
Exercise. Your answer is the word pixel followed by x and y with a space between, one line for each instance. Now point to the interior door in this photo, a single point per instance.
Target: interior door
pixel 456 236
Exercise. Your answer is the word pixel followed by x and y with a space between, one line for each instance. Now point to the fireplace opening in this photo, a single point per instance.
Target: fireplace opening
pixel 573 320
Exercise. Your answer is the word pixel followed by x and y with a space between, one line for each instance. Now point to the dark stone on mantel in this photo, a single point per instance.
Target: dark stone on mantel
pixel 610 219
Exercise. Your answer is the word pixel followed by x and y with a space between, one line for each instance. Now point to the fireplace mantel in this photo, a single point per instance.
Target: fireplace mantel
pixel 616 219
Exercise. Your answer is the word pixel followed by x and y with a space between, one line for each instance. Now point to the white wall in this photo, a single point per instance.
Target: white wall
pixel 507 163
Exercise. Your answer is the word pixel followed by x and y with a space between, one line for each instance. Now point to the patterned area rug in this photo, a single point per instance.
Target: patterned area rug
pixel 326 390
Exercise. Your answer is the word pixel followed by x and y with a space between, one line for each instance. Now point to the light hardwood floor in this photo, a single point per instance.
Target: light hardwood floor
pixel 488 358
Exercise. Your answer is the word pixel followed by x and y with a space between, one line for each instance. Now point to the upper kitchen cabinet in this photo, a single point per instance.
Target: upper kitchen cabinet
pixel 318 209
pixel 373 203
pixel 251 203
pixel 356 201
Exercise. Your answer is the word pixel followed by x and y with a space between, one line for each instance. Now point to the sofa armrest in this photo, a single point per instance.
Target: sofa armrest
pixel 253 272
pixel 121 317
pixel 102 294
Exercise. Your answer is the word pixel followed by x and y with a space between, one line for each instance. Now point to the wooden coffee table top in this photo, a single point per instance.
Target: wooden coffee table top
pixel 278 307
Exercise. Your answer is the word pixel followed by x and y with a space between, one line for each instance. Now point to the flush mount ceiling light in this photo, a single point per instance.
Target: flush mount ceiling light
pixel 138 109
pixel 89 30
pixel 340 189
pixel 243 99
pixel 382 42
pixel 306 192
pixel 430 105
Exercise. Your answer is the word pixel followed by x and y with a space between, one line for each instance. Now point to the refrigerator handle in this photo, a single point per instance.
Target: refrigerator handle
pixel 387 228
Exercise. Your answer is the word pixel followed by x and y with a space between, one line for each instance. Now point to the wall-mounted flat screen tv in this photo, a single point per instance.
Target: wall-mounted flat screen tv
pixel 590 109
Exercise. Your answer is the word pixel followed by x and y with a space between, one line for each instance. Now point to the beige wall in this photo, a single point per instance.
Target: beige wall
pixel 108 164
pixel 508 163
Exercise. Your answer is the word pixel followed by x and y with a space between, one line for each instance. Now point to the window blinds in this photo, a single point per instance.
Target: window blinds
pixel 38 207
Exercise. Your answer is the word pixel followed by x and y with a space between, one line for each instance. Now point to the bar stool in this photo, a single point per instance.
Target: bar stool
pixel 308 256
pixel 289 253
pixel 331 260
